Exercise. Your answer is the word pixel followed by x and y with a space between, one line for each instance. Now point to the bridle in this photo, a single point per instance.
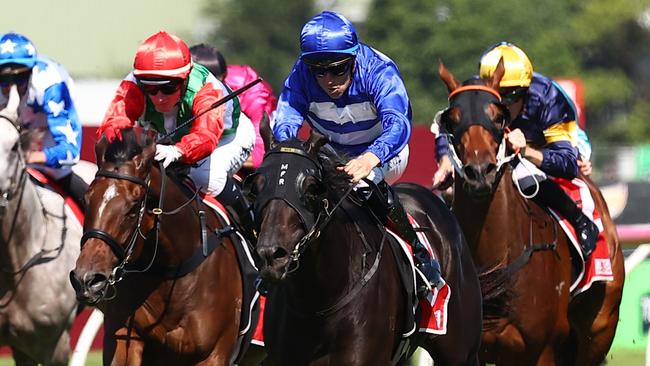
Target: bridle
pixel 17 179
pixel 476 97
pixel 308 166
pixel 124 254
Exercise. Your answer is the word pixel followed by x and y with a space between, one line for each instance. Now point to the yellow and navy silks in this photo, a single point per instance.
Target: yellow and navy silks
pixel 549 121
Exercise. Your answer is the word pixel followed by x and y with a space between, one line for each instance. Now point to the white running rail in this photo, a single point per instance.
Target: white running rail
pixel 86 338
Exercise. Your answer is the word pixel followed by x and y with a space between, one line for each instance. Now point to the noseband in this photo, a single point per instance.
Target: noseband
pixel 122 254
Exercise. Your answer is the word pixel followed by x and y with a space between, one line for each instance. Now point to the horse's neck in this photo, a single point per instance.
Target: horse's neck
pixel 331 266
pixel 178 236
pixel 494 218
pixel 23 227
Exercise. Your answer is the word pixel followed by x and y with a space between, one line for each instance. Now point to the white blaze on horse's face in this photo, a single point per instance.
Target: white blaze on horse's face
pixel 9 138
pixel 109 194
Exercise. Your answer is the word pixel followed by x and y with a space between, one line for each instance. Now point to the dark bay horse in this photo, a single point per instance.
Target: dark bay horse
pixel 169 286
pixel 335 296
pixel 546 326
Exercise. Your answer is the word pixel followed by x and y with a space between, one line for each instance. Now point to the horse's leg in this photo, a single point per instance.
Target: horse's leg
pixel 595 312
pixel 61 353
pixel 123 348
pixel 21 359
pixel 548 357
pixel 254 356
pixel 595 325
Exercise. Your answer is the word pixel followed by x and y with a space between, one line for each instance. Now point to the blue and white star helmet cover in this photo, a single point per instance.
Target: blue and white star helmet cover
pixel 18 49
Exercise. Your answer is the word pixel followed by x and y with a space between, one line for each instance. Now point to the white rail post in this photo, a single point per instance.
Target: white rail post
pixel 86 338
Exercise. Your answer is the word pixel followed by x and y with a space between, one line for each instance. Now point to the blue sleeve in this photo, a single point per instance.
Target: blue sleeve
pixel 558 118
pixel 442 146
pixel 292 107
pixel 393 110
pixel 560 160
pixel 64 125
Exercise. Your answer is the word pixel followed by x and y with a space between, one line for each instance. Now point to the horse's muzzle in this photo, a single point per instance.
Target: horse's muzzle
pixel 91 289
pixel 275 260
pixel 479 179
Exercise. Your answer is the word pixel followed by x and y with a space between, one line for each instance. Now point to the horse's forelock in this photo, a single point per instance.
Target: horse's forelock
pixel 121 151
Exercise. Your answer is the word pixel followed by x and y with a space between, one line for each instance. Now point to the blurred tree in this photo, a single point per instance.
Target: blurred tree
pixel 263 34
pixel 591 40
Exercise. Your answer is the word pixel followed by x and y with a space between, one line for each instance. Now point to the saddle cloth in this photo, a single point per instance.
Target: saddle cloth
pixel 431 312
pixel 252 315
pixel 598 267
pixel 45 181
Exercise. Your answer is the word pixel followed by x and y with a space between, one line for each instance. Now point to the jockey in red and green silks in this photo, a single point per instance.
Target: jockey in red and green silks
pixel 164 90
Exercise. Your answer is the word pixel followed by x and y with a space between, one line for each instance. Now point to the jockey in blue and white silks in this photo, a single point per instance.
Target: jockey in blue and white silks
pixel 46 107
pixel 356 97
pixel 374 114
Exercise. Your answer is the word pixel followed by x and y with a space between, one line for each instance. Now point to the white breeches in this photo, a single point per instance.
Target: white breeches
pixel 229 156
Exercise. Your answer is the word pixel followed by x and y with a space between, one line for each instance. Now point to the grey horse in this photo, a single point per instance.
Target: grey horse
pixel 39 243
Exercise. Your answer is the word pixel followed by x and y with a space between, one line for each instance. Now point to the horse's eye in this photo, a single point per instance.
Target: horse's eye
pixel 134 211
pixel 312 189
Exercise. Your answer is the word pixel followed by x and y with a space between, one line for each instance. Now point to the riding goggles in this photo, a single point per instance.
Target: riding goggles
pixel 511 95
pixel 19 79
pixel 337 68
pixel 165 86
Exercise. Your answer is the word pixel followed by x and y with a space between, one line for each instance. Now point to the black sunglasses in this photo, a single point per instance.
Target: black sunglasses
pixel 18 79
pixel 335 70
pixel 511 95
pixel 167 89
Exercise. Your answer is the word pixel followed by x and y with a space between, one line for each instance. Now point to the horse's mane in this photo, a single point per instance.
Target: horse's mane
pixel 123 150
pixel 330 159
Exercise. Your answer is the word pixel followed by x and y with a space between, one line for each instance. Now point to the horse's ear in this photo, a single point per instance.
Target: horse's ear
pixel 100 149
pixel 315 142
pixel 447 77
pixel 497 75
pixel 267 132
pixel 148 152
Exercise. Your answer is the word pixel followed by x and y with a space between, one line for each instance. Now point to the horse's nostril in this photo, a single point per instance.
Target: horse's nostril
pixel 271 254
pixel 279 253
pixel 471 172
pixel 491 168
pixel 92 280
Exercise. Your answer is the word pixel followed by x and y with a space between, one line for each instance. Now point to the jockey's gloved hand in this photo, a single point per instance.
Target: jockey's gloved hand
pixel 167 154
pixel 113 130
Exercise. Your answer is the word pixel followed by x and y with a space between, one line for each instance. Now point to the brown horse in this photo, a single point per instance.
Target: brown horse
pixel 335 295
pixel 546 326
pixel 169 284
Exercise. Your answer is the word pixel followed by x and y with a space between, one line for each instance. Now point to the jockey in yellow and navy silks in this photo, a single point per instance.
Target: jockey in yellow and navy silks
pixel 355 96
pixel 46 107
pixel 543 129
